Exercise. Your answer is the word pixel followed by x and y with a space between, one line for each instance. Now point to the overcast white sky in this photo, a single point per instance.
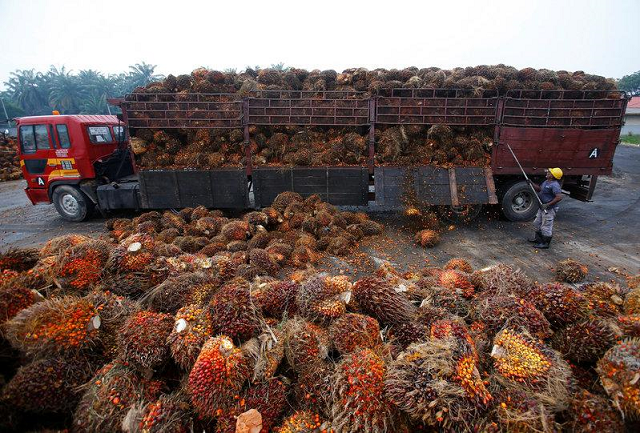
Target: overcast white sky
pixel 601 37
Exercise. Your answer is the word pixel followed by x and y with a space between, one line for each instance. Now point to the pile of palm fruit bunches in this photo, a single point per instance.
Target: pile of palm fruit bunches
pixel 438 145
pixel 9 162
pixel 191 321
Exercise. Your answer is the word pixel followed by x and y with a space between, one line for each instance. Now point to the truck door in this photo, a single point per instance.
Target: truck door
pixel 38 154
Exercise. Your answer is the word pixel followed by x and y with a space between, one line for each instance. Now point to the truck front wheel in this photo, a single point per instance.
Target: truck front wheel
pixel 519 203
pixel 71 203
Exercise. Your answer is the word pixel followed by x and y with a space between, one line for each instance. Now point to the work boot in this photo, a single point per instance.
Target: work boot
pixel 544 243
pixel 537 238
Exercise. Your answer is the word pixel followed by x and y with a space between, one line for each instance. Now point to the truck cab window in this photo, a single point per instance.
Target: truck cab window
pixel 27 139
pixel 63 136
pixel 118 131
pixel 99 134
pixel 42 137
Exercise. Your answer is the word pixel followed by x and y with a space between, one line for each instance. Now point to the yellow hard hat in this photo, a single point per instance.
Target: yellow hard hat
pixel 556 172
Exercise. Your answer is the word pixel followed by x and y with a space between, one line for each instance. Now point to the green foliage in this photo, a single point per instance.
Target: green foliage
pixel 630 138
pixel 630 83
pixel 34 93
pixel 280 67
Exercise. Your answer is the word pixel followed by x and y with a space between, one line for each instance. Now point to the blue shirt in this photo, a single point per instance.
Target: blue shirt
pixel 548 191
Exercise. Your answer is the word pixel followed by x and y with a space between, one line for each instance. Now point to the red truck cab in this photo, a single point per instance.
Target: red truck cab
pixel 60 155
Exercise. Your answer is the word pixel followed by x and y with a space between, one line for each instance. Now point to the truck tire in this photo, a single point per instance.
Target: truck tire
pixel 461 214
pixel 71 203
pixel 519 203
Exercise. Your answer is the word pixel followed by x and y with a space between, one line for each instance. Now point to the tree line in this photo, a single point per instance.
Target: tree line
pixel 28 92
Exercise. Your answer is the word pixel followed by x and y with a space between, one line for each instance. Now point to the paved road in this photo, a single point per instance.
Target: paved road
pixel 604 234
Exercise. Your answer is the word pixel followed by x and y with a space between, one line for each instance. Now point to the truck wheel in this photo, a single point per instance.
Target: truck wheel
pixel 461 214
pixel 71 203
pixel 519 203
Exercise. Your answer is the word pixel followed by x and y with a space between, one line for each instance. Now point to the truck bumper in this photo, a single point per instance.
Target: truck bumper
pixel 37 195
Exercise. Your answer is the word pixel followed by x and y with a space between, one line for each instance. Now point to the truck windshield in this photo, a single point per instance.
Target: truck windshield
pixel 99 134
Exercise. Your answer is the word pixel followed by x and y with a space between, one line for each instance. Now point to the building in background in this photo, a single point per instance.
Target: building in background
pixel 631 118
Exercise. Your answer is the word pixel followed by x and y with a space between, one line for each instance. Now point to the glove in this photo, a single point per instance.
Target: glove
pixel 544 206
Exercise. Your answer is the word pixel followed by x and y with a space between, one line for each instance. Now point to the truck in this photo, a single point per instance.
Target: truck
pixel 84 162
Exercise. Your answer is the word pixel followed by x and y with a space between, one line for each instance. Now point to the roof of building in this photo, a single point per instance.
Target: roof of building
pixel 634 102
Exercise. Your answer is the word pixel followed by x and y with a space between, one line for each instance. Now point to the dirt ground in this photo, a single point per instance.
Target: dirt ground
pixel 603 234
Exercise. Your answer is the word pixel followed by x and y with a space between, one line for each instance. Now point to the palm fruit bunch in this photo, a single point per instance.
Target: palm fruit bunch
pixel 174 292
pixel 584 341
pixel 305 343
pixel 604 299
pixel 359 402
pixel 456 281
pixel 266 351
pixel 9 161
pixel 570 271
pixel 379 299
pixel 47 385
pixel 57 244
pixel 269 398
pixel 401 335
pixel 19 259
pixel 142 341
pixel 80 267
pixel 192 328
pixel 619 370
pixel 320 300
pixel 277 298
pixel 433 384
pixel 592 413
pixel 304 422
pixel 496 312
pixel 520 358
pixel 440 297
pixel 353 330
pixel 235 230
pixel 114 311
pixel 233 312
pixel 263 261
pixel 217 377
pixel 629 325
pixel 561 304
pixel 503 280
pixel 427 238
pixel 459 264
pixel 133 254
pixel 55 326
pixel 632 302
pixel 15 296
pixel 170 413
pixel 519 410
pixel 109 395
pixel 284 199
pixel 313 387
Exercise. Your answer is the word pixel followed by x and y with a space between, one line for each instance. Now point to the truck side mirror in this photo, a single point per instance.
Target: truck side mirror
pixel 120 118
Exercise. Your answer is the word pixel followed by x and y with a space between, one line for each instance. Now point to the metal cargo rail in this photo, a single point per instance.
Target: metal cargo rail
pixel 570 122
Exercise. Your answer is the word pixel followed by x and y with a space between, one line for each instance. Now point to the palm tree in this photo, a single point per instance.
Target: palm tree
pixel 94 104
pixel 26 89
pixel 66 90
pixel 142 74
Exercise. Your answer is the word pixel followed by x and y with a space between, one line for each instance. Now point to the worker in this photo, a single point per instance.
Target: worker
pixel 550 194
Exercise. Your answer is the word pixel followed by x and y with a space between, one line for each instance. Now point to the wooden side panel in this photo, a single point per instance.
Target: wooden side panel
pixel 432 185
pixel 338 186
pixel 570 149
pixel 166 189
